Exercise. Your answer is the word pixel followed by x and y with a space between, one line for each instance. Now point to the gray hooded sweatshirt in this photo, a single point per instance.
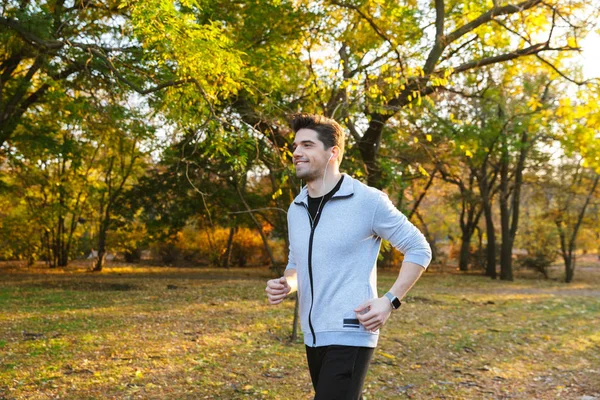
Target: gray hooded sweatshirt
pixel 336 262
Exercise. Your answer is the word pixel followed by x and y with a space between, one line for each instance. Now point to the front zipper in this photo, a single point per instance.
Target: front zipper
pixel 310 245
pixel 310 276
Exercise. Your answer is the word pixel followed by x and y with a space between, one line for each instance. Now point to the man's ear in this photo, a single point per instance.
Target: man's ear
pixel 335 152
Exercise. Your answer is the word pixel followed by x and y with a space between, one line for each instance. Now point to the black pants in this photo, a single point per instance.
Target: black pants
pixel 338 372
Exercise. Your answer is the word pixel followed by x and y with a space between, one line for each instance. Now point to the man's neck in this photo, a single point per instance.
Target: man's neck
pixel 316 187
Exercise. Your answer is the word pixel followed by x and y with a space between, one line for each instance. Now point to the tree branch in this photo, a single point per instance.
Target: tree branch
pixel 439 45
pixel 453 52
pixel 579 83
pixel 582 212
pixel 422 195
pixel 99 51
pixel 536 48
pixel 373 25
pixel 488 16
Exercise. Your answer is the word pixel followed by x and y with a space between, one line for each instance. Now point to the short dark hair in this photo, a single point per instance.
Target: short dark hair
pixel 328 131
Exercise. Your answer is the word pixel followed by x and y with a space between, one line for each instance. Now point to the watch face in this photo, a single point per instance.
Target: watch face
pixel 394 300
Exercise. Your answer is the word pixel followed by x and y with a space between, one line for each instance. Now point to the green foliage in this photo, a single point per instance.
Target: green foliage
pixel 58 167
pixel 221 78
pixel 540 240
pixel 20 239
pixel 579 124
pixel 52 50
pixel 199 54
pixel 129 239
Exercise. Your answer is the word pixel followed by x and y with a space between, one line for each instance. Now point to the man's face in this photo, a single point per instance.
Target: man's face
pixel 310 156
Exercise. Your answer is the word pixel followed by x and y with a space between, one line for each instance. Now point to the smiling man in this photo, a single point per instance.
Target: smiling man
pixel 335 226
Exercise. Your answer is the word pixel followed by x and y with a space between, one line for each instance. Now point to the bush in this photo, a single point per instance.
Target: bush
pixel 538 261
pixel 129 240
pixel 540 240
pixel 477 256
pixel 19 236
pixel 201 247
pixel 167 252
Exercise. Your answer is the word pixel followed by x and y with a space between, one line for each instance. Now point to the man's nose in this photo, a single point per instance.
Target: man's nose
pixel 297 152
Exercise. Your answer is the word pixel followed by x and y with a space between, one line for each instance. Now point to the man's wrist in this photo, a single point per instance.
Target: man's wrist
pixel 394 301
pixel 389 303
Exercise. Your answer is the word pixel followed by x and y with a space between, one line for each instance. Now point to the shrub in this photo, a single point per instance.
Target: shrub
pixel 540 240
pixel 539 261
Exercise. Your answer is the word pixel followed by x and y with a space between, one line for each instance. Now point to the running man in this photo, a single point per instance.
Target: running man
pixel 335 226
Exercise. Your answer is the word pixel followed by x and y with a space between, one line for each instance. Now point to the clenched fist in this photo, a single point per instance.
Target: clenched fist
pixel 277 290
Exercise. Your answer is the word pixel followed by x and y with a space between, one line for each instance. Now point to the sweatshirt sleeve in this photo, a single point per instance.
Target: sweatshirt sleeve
pixel 291 261
pixel 390 224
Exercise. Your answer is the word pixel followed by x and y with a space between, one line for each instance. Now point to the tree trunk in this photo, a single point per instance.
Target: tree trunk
pixel 506 272
pixel 486 204
pixel 598 241
pixel 100 262
pixel 568 249
pixel 510 216
pixel 47 247
pixel 295 323
pixel 490 230
pixel 569 268
pixel 480 258
pixel 62 256
pixel 368 146
pixel 104 225
pixel 52 241
pixel 261 232
pixel 427 233
pixel 469 218
pixel 227 255
pixel 465 247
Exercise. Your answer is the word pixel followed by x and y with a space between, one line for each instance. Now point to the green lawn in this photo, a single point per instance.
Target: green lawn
pixel 158 333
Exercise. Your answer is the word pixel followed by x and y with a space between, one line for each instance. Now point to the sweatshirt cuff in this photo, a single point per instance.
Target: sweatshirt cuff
pixel 423 261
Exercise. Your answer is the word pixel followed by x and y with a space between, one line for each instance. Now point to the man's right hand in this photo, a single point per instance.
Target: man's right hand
pixel 277 290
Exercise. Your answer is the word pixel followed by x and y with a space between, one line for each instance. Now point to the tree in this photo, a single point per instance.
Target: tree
pixel 527 116
pixel 578 124
pixel 20 239
pixel 457 131
pixel 570 192
pixel 121 139
pixel 389 59
pixel 52 162
pixel 53 45
pixel 537 235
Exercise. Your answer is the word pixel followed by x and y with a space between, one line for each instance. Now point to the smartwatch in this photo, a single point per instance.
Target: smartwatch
pixel 396 303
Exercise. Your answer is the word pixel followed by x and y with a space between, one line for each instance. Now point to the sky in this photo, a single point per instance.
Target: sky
pixel 591 56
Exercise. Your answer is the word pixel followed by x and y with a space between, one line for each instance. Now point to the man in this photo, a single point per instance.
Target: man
pixel 335 226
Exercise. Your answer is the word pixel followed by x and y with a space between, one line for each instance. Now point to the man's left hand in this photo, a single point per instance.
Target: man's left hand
pixel 379 311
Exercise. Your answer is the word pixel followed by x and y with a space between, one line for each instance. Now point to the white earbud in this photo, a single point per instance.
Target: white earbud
pixel 325 173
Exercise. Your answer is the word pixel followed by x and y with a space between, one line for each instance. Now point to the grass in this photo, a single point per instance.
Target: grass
pixel 156 333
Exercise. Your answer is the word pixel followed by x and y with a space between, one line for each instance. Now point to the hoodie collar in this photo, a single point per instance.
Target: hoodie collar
pixel 345 190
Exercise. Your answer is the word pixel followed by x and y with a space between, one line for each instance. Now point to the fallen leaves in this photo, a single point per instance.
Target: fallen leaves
pixel 453 338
